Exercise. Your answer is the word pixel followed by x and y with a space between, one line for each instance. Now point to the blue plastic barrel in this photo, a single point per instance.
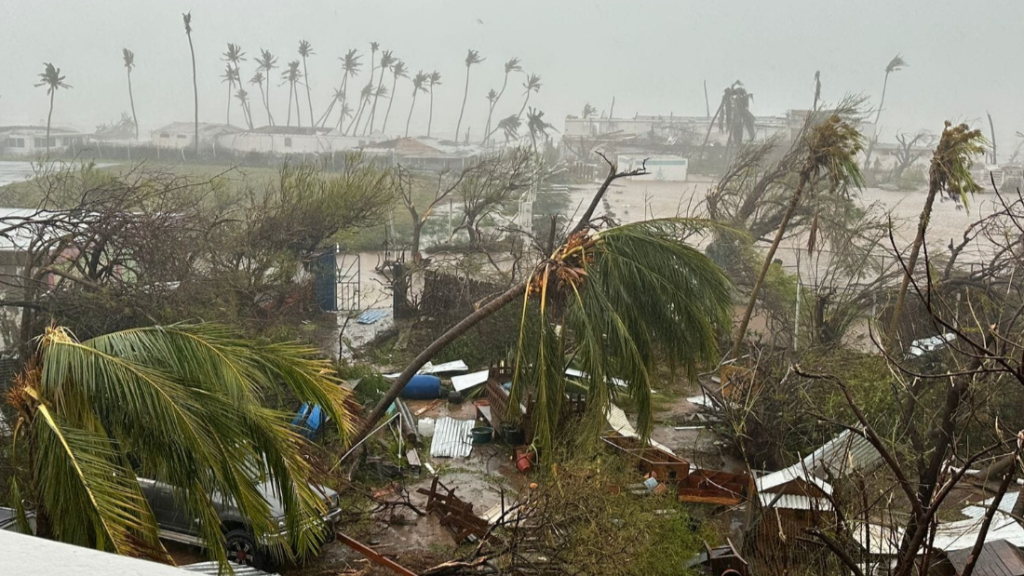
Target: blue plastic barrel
pixel 422 387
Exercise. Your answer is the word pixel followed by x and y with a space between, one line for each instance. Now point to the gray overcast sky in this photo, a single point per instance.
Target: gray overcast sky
pixel 651 55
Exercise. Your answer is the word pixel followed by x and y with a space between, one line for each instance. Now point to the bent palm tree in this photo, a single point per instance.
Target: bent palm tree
pixel 129 65
pixel 306 49
pixel 51 78
pixel 417 86
pixel 257 80
pixel 234 57
pixel 537 126
pixel 398 70
pixel 435 80
pixel 387 60
pixel 897 63
pixel 472 57
pixel 243 99
pixel 187 18
pixel 950 175
pixel 492 97
pixel 511 66
pixel 831 147
pixel 266 63
pixel 292 75
pixel 349 67
pixel 531 85
pixel 181 403
pixel 364 98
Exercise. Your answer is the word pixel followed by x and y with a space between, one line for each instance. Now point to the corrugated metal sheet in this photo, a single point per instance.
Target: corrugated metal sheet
pixel 372 316
pixel 451 438
pixel 794 502
pixel 213 569
pixel 963 534
pixel 618 421
pixel 467 381
pixel 786 475
pixel 1005 505
pixel 844 453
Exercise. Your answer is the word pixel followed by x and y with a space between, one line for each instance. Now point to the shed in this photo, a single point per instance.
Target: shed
pixel 999 558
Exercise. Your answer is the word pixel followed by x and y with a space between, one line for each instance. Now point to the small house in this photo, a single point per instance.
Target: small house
pixel 182 134
pixel 31 140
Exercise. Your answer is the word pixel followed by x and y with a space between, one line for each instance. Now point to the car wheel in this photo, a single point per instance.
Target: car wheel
pixel 242 549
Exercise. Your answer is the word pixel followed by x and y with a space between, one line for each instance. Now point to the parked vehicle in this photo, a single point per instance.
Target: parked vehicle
pixel 242 545
pixel 9 520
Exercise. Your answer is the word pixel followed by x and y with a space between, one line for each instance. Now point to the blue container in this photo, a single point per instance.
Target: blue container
pixel 422 387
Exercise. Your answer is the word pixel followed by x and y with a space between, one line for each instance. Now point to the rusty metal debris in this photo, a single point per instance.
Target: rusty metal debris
pixel 375 557
pixel 455 514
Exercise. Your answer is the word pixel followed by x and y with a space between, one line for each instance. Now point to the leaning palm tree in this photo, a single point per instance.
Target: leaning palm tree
pixel 243 99
pixel 368 89
pixel 435 80
pixel 291 76
pixel 364 98
pixel 831 152
pixel 398 70
pixel 234 56
pixel 349 67
pixel 306 49
pixel 531 85
pixel 387 60
pixel 129 65
pixel 511 66
pixel 187 18
pixel 537 126
pixel 950 176
pixel 897 63
pixel 185 404
pixel 230 76
pixel 51 78
pixel 257 80
pixel 417 86
pixel 599 286
pixel 266 64
pixel 472 57
pixel 492 97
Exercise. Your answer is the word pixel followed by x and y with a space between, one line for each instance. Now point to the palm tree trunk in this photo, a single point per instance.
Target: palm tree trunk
pixel 711 125
pixel 290 92
pixel 465 95
pixel 915 250
pixel 487 127
pixel 131 98
pixel 436 346
pixel 309 98
pixel 49 116
pixel 195 92
pixel 794 200
pixel 298 107
pixel 430 117
pixel 230 86
pixel 409 118
pixel 357 117
pixel 394 85
pixel 878 114
pixel 373 111
pixel 525 102
pixel 266 101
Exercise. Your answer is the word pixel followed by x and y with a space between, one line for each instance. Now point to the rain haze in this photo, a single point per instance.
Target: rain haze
pixel 653 57
pixel 467 287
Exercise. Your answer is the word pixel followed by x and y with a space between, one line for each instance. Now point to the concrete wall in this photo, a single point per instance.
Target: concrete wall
pixel 666 168
pixel 33 144
pixel 291 143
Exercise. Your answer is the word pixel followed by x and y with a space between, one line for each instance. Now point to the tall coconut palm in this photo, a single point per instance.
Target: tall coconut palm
pixel 398 70
pixel 187 18
pixel 472 58
pixel 243 99
pixel 234 56
pixel 949 175
pixel 52 79
pixel 266 63
pixel 129 65
pixel 531 85
pixel 350 67
pixel 492 97
pixel 537 126
pixel 292 75
pixel 387 60
pixel 418 82
pixel 897 63
pixel 599 285
pixel 513 65
pixel 368 90
pixel 185 404
pixel 733 115
pixel 306 49
pixel 257 80
pixel 434 80
pixel 230 76
pixel 831 146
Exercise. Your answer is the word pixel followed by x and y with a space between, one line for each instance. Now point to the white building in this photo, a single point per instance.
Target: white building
pixel 31 140
pixel 182 134
pixel 293 140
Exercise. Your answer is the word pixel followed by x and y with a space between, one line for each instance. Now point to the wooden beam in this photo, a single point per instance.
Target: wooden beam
pixel 374 557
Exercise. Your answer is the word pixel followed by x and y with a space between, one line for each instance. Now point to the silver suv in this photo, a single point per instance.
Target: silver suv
pixel 242 546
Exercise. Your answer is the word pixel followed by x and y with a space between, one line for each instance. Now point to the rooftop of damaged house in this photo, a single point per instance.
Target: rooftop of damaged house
pixel 463 288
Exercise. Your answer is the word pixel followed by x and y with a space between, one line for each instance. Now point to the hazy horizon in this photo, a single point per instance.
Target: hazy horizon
pixel 653 57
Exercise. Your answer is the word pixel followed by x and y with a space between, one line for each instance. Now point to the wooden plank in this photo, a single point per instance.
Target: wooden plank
pixel 413 457
pixel 427 408
pixel 374 557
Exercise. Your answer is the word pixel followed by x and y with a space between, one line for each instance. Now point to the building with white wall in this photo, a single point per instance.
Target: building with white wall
pixel 182 134
pixel 31 140
pixel 293 140
pixel 665 167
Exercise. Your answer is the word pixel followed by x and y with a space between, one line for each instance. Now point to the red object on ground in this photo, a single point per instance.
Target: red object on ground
pixel 525 459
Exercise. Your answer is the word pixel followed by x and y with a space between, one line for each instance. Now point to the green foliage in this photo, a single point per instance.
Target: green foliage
pixel 181 403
